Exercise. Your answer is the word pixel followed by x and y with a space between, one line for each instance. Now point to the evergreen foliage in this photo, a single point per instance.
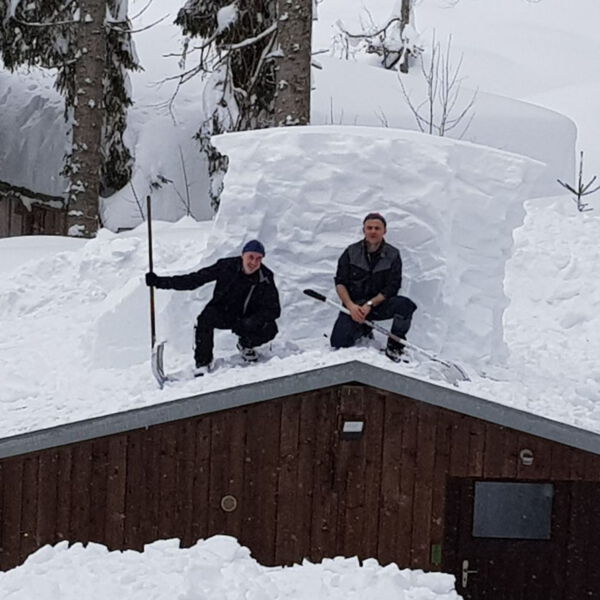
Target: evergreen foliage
pixel 237 58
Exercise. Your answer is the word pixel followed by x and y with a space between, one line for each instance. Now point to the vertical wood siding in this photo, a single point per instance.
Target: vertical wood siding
pixel 302 490
pixel 16 220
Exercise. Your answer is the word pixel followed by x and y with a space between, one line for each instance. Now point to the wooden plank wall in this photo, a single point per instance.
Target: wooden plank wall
pixel 302 490
pixel 16 220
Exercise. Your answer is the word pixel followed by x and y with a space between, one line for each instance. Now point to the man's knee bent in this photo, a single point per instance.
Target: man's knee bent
pixel 257 335
pixel 403 306
pixel 345 332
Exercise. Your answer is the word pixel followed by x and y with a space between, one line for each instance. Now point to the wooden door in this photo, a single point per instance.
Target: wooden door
pixel 507 540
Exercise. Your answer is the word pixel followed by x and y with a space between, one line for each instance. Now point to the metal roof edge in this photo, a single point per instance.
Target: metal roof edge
pixel 305 381
pixel 480 408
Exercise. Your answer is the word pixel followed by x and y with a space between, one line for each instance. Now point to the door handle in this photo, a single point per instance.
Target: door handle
pixel 466 572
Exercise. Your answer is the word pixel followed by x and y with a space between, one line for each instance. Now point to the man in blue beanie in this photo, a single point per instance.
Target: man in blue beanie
pixel 368 277
pixel 245 300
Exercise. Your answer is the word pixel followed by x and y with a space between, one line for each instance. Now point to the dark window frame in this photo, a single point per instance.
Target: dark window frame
pixel 536 521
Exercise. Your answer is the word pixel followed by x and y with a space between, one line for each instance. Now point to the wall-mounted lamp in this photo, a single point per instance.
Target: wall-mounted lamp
pixel 526 457
pixel 352 429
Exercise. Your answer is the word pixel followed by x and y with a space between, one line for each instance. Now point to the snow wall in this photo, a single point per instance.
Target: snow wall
pixel 451 209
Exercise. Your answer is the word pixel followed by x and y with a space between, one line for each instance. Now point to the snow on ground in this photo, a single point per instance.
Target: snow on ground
pixel 553 320
pixel 498 121
pixel 216 568
pixel 76 335
pixel 522 49
pixel 303 192
pixel 44 355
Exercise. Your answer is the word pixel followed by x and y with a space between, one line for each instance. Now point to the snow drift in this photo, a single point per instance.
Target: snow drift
pixel 451 209
pixel 344 95
pixel 214 568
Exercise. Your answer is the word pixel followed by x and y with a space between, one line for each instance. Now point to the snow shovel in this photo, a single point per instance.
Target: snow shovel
pixel 458 372
pixel 156 359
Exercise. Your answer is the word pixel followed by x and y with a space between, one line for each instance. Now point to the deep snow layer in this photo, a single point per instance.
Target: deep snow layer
pixel 451 209
pixel 495 120
pixel 216 568
pixel 76 334
pixel 58 310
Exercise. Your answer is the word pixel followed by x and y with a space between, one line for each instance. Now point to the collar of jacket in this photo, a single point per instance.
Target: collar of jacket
pixel 379 250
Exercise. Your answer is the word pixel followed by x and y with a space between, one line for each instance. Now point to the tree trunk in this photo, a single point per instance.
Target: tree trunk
pixel 84 191
pixel 292 95
pixel 404 21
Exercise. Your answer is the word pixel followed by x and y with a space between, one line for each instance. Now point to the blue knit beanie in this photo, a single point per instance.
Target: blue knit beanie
pixel 253 246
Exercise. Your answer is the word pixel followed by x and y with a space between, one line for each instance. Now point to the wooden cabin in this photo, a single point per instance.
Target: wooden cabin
pixel 24 212
pixel 345 460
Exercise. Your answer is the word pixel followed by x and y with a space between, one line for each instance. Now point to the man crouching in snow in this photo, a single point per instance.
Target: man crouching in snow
pixel 245 300
pixel 368 277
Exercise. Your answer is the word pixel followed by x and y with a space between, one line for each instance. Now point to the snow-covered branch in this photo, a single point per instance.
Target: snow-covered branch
pixel 252 40
pixel 395 41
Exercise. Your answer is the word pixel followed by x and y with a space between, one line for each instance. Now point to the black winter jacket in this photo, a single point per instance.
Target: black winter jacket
pixel 236 294
pixel 364 278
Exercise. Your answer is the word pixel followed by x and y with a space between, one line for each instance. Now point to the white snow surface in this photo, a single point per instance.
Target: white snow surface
pixel 536 72
pixel 73 314
pixel 499 122
pixel 76 327
pixel 216 568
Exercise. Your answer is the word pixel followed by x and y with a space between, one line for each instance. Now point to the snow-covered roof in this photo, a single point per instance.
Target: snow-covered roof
pixel 297 383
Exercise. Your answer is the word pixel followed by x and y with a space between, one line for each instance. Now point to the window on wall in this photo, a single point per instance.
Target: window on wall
pixel 513 510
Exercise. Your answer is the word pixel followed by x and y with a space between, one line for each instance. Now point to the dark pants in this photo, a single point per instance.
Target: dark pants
pixel 346 331
pixel 251 332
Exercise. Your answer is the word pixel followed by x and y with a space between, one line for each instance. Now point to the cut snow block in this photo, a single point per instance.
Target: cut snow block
pixel 451 209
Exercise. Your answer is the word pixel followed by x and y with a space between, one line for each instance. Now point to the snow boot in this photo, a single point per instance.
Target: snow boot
pixel 394 352
pixel 201 370
pixel 248 354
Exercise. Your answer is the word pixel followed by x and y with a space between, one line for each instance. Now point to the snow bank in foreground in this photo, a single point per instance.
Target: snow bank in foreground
pixel 216 568
pixel 451 209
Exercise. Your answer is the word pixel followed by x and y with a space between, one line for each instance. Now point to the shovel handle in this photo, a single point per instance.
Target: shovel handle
pixel 151 267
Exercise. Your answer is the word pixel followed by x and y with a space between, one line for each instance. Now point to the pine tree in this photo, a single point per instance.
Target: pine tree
pixel 292 98
pixel 255 56
pixel 89 43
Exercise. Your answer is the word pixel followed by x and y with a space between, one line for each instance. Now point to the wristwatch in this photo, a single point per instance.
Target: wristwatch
pixel 370 303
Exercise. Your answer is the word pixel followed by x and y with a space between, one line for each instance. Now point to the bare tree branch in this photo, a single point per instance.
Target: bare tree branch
pixel 583 189
pixel 438 112
pixel 115 25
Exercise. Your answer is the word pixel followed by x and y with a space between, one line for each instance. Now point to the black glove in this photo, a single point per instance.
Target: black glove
pixel 152 279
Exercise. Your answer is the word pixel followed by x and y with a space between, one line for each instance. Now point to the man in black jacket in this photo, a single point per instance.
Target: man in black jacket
pixel 368 277
pixel 245 300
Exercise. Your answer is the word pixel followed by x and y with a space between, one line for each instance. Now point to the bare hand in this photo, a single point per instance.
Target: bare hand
pixel 358 313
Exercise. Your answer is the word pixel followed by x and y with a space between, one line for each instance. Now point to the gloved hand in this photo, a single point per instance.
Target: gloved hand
pixel 151 279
